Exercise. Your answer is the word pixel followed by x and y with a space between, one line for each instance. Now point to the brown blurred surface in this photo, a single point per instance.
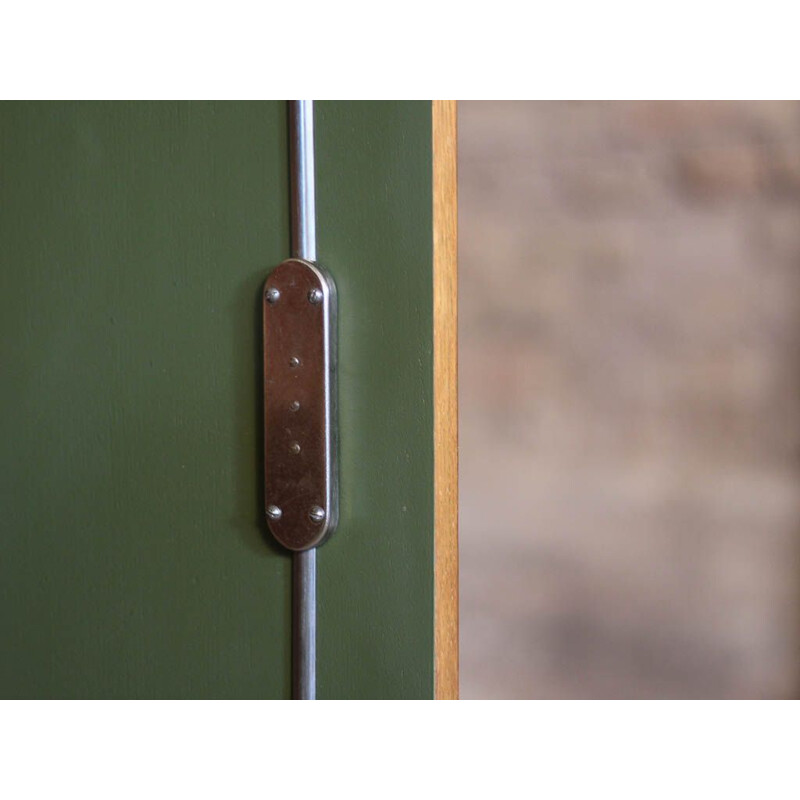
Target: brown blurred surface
pixel 630 399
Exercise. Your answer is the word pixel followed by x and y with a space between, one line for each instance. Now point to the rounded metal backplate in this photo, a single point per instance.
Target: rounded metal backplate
pixel 301 493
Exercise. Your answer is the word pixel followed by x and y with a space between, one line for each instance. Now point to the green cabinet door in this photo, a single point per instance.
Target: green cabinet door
pixel 134 557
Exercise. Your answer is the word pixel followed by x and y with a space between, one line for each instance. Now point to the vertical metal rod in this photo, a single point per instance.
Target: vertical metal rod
pixel 304 625
pixel 301 147
pixel 304 245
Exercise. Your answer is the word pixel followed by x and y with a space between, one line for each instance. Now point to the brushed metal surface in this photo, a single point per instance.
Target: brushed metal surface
pixel 304 245
pixel 299 404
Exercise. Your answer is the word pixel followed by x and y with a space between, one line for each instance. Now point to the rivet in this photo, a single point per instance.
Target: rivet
pixel 273 512
pixel 294 361
pixel 272 295
pixel 317 514
pixel 295 405
pixel 315 296
pixel 294 447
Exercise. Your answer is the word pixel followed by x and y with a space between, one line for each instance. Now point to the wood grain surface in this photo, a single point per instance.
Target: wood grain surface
pixel 445 393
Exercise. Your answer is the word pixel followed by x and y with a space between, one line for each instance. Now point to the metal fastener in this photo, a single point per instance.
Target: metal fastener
pixel 272 295
pixel 294 447
pixel 294 361
pixel 315 296
pixel 295 406
pixel 317 514
pixel 273 512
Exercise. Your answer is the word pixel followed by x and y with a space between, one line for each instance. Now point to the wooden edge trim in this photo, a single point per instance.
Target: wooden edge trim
pixel 445 398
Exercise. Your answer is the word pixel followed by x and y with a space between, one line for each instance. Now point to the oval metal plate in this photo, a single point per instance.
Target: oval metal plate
pixel 301 490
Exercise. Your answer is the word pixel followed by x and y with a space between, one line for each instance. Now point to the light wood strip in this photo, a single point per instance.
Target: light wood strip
pixel 445 394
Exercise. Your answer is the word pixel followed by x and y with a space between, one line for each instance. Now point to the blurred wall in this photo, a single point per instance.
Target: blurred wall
pixel 630 399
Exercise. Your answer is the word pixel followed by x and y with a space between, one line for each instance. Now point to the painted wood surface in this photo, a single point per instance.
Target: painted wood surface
pixel 374 233
pixel 134 560
pixel 135 238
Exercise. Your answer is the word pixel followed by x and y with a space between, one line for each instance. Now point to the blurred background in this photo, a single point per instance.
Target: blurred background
pixel 630 399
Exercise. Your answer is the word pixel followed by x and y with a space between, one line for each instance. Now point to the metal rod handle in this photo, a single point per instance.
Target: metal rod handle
pixel 304 245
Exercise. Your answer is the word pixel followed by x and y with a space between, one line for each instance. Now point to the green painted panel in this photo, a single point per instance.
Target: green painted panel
pixel 133 241
pixel 133 556
pixel 375 234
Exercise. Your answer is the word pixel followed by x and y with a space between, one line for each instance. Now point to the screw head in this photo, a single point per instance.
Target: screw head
pixel 317 514
pixel 272 295
pixel 295 447
pixel 315 296
pixel 295 405
pixel 294 361
pixel 273 512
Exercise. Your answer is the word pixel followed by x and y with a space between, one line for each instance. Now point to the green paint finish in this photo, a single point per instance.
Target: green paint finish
pixel 134 560
pixel 375 234
pixel 133 242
